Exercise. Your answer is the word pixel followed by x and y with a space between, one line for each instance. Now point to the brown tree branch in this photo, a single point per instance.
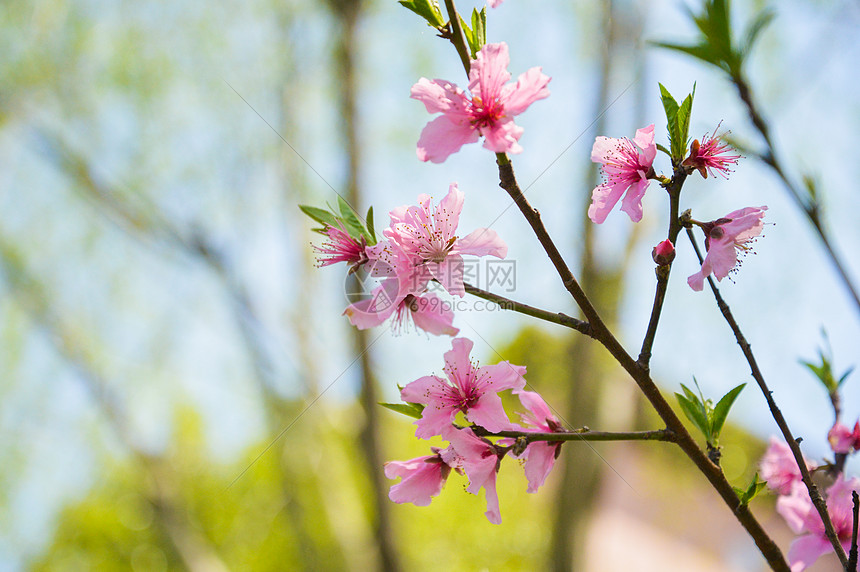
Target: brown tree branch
pixel 814 495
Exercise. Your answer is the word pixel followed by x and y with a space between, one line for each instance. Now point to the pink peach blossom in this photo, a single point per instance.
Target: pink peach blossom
pixel 844 440
pixel 341 247
pixel 400 294
pixel 489 111
pixel 779 468
pixel 802 517
pixel 428 237
pixel 712 154
pixel 421 478
pixel 539 456
pixel 627 166
pixel 479 459
pixel 469 389
pixel 494 3
pixel 725 237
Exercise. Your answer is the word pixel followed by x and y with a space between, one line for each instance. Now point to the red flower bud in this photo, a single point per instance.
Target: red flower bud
pixel 664 253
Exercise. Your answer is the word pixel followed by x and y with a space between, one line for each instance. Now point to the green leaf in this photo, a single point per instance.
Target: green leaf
pixel 409 409
pixel 684 112
pixel 748 494
pixel 663 149
pixel 369 223
pixel 694 411
pixel 764 18
pixel 350 219
pixel 479 28
pixel 844 377
pixel 721 411
pixel 670 106
pixel 470 38
pixel 322 216
pixel 427 9
pixel 702 52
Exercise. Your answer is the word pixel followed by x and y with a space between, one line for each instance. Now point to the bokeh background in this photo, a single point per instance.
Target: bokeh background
pixel 178 388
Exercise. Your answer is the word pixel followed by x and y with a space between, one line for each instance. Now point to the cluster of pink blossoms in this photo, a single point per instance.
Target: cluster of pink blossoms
pixel 779 469
pixel 628 168
pixel 421 244
pixel 472 391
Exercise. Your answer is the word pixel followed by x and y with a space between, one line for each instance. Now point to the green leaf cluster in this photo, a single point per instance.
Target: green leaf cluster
pixel 346 217
pixel 476 36
pixel 716 45
pixel 677 122
pixel 754 488
pixel 707 418
pixel 427 9
pixel 824 370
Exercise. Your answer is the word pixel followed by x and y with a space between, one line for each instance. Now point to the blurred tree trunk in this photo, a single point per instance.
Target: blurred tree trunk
pixel 582 468
pixel 348 13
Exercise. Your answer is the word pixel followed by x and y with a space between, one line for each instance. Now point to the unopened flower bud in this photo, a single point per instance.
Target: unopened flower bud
pixel 664 253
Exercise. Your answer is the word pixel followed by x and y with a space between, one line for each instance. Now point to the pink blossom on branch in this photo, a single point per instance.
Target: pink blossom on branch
pixel 468 388
pixel 479 459
pixel 627 166
pixel 487 111
pixel 779 468
pixel 400 294
pixel 341 247
pixel 803 519
pixel 427 235
pixel 844 440
pixel 725 238
pixel 712 154
pixel 539 456
pixel 421 478
pixel 494 3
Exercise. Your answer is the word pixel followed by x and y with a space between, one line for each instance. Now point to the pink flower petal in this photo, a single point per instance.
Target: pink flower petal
pixel 439 95
pixel 447 216
pixel 502 136
pixel 421 480
pixel 644 139
pixel 489 413
pixel 530 87
pixel 442 137
pixel 449 273
pixel 603 200
pixel 501 376
pixel 422 389
pixel 804 551
pixel 483 242
pixel 539 411
pixel 433 316
pixel 797 509
pixel 489 71
pixel 632 203
pixel 540 457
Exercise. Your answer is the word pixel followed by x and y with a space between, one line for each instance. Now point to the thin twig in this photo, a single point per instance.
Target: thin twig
pixel 458 38
pixel 508 304
pixel 809 207
pixel 814 495
pixel 852 555
pixel 674 191
pixel 584 434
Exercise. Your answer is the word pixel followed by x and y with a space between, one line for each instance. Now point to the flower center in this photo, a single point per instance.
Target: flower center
pixel 486 114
